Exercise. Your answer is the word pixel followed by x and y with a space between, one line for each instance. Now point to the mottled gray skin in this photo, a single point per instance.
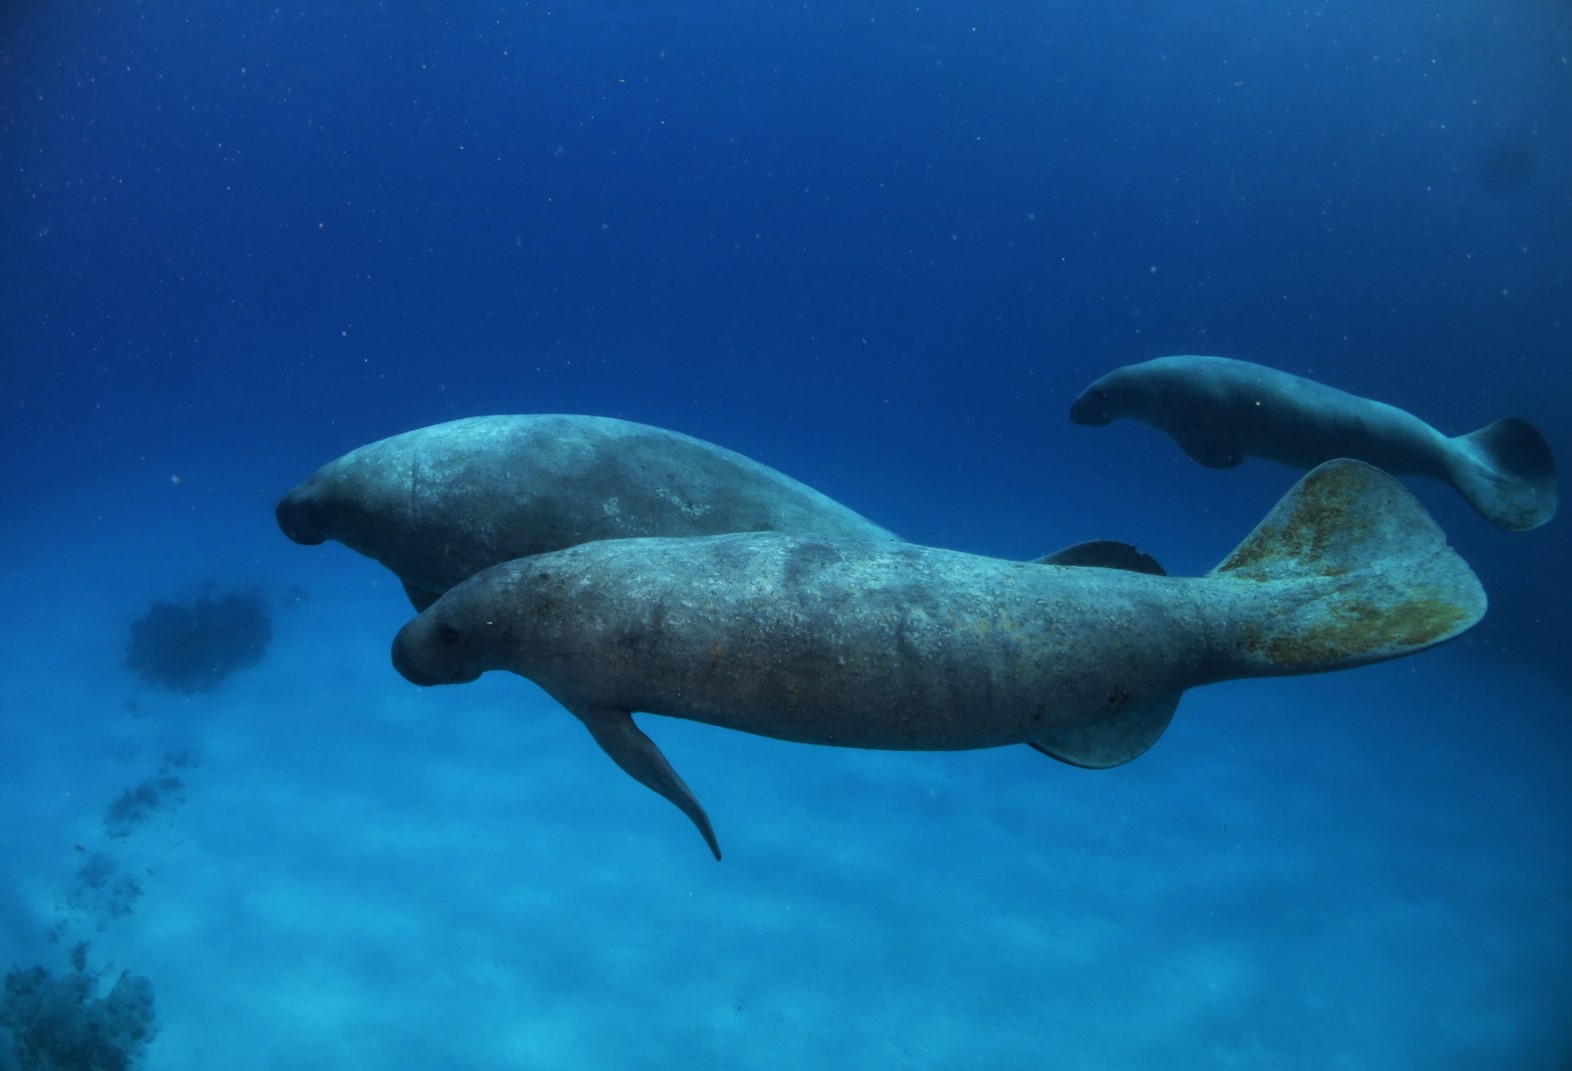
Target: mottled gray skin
pixel 1221 410
pixel 439 504
pixel 875 644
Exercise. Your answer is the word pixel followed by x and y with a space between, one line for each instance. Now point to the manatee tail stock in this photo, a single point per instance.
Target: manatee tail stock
pixel 1346 569
pixel 1507 473
pixel 1351 570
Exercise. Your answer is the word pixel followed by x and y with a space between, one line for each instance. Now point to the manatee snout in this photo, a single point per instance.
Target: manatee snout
pixel 427 652
pixel 1093 407
pixel 296 513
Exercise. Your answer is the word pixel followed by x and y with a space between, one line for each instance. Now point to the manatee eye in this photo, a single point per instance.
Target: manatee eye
pixel 448 634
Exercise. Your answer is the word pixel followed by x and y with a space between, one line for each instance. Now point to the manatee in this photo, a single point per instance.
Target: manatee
pixel 854 642
pixel 439 504
pixel 1221 411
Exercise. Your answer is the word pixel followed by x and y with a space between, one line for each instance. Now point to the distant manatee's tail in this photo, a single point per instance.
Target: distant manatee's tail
pixel 1352 570
pixel 1506 472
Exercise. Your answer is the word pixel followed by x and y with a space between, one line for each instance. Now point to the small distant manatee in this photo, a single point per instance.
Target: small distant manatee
pixel 878 644
pixel 1221 411
pixel 439 504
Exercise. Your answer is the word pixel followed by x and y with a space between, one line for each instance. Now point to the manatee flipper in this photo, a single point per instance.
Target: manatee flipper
pixel 1104 554
pixel 638 756
pixel 1507 473
pixel 419 598
pixel 1126 735
pixel 1212 450
pixel 1114 740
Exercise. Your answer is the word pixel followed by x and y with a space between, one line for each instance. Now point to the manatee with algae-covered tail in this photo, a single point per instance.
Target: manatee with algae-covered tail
pixel 879 644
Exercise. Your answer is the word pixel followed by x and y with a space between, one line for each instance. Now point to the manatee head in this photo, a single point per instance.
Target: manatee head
pixel 437 647
pixel 1091 407
pixel 364 500
pixel 1103 401
pixel 1142 391
pixel 298 517
pixel 327 507
pixel 439 504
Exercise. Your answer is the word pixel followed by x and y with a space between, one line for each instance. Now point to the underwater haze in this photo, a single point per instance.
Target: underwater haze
pixel 879 247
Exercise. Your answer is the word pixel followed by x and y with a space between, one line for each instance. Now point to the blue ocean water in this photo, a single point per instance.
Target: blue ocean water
pixel 881 248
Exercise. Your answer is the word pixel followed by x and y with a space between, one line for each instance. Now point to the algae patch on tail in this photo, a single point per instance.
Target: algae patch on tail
pixel 1359 630
pixel 1317 526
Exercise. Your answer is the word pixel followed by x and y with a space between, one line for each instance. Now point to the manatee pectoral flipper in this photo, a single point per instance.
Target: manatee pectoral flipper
pixel 1347 569
pixel 1104 554
pixel 419 598
pixel 1211 448
pixel 1507 473
pixel 1125 735
pixel 638 756
pixel 1113 740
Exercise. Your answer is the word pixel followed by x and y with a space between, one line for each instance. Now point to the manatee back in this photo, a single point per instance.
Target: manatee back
pixel 1220 410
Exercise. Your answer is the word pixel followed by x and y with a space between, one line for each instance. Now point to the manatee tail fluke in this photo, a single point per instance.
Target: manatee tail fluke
pixel 1506 472
pixel 1352 571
